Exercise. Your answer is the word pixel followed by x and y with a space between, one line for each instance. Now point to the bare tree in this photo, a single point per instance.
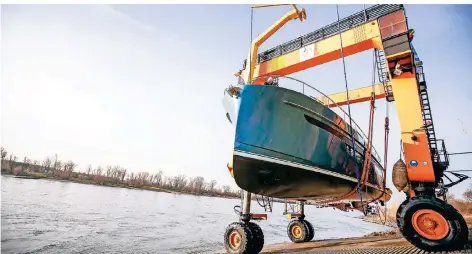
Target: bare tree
pixel 12 162
pixel 132 179
pixel 143 178
pixel 118 174
pixel 115 173
pixel 108 172
pixel 178 182
pixel 89 169
pixel 3 154
pixel 26 164
pixel 69 166
pixel 123 174
pixel 199 184
pixel 36 165
pixel 57 163
pixel 47 162
pixel 151 179
pixel 99 171
pixel 212 185
pixel 158 179
pixel 226 189
pixel 468 194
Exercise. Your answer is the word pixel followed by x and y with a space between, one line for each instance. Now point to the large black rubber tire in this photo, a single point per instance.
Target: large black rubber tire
pixel 247 239
pixel 458 234
pixel 304 231
pixel 258 236
pixel 311 231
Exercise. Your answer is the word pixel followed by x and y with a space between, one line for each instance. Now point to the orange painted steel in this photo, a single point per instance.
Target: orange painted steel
pixel 324 51
pixel 259 216
pixel 430 224
pixel 393 24
pixel 414 138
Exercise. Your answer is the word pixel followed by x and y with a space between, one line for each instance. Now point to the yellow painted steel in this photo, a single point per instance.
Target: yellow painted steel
pixel 252 56
pixel 366 33
pixel 408 109
pixel 267 5
pixel 399 55
pixel 355 95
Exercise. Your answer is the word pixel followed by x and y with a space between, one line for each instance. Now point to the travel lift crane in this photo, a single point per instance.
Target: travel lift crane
pixel 425 220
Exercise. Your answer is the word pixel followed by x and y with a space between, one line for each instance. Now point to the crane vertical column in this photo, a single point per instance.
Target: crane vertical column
pixel 414 138
pixel 404 85
pixel 426 221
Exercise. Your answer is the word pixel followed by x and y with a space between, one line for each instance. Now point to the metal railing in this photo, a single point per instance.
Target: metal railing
pixel 443 156
pixel 354 20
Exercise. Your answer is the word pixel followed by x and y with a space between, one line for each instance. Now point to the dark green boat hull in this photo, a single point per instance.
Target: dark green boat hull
pixel 288 145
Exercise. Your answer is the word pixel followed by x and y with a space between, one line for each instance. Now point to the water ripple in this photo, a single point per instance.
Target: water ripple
pixel 44 216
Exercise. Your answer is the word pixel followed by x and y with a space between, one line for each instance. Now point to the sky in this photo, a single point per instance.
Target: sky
pixel 141 85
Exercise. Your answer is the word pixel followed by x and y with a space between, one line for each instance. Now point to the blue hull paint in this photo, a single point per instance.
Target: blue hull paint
pixel 287 134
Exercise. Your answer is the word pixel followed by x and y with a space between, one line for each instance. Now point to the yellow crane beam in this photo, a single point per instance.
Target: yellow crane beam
pixel 291 15
pixel 355 96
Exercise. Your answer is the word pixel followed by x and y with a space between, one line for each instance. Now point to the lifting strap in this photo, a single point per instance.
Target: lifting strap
pixel 385 164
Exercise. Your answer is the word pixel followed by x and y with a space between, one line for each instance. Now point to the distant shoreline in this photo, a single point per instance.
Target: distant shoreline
pixel 36 176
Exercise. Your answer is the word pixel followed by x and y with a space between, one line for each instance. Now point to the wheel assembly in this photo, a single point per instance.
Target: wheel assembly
pixel 311 231
pixel 298 231
pixel 257 235
pixel 236 238
pixel 431 224
pixel 243 238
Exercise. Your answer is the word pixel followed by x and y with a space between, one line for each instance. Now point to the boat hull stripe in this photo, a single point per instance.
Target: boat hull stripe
pixel 297 165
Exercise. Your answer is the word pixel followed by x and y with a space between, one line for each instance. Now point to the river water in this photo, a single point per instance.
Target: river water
pixel 46 216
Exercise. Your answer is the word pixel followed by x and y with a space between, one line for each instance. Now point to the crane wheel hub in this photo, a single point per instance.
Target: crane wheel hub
pixel 296 231
pixel 235 240
pixel 430 224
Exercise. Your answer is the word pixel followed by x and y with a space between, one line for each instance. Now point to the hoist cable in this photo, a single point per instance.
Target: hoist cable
pixel 349 112
pixel 460 153
pixel 249 61
pixel 386 132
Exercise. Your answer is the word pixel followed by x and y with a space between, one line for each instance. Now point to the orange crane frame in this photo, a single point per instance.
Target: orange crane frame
pixel 389 34
pixel 422 218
